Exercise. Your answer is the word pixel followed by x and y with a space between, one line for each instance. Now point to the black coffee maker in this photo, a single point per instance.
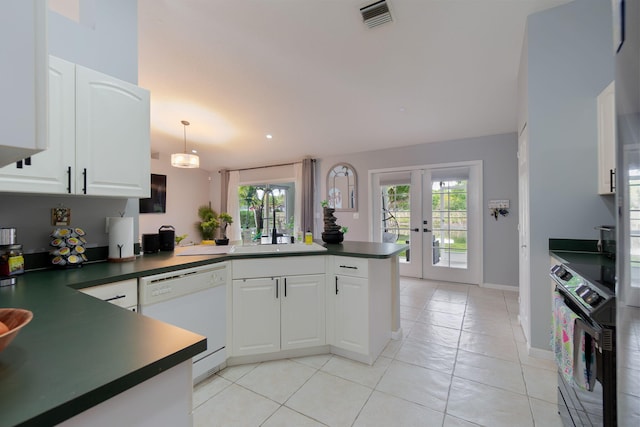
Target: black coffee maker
pixel 167 237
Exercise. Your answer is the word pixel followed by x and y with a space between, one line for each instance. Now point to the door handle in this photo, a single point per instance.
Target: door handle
pixel 336 285
pixel 415 229
pixel 426 230
pixel 277 286
pixel 285 287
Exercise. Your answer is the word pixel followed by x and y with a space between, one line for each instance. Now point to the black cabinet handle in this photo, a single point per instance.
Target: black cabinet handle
pixel 336 285
pixel 277 286
pixel 612 179
pixel 349 266
pixel 84 174
pixel 69 180
pixel 19 164
pixel 285 287
pixel 116 297
pixel 27 161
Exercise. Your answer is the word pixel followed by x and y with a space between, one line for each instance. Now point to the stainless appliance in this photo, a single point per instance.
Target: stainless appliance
pixel 193 299
pixel 607 241
pixel 627 96
pixel 589 291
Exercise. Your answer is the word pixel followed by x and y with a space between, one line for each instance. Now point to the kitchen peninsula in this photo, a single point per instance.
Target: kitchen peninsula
pixel 80 352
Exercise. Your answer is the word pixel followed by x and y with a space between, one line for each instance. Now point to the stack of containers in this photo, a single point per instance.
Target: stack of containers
pixel 11 259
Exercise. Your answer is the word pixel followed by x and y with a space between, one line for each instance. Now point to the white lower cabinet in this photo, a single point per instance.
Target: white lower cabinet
pixel 256 316
pixel 351 313
pixel 277 304
pixel 277 313
pixel 358 306
pixel 302 312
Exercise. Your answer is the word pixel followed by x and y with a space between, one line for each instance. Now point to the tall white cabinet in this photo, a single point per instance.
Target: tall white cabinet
pixel 606 107
pixel 98 138
pixel 23 82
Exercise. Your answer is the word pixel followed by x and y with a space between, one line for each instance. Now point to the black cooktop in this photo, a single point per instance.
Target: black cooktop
pixel 604 277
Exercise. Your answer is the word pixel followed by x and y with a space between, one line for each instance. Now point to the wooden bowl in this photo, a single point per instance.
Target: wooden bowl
pixel 15 319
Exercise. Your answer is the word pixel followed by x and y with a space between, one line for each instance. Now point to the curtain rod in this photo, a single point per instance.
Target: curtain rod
pixel 263 167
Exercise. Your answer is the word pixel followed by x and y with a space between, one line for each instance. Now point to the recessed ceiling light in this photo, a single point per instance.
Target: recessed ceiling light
pixel 269 136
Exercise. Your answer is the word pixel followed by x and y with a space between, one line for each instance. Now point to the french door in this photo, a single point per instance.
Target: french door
pixel 436 210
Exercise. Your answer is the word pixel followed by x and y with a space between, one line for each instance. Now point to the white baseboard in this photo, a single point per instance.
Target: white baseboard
pixel 499 287
pixel 539 353
pixel 397 335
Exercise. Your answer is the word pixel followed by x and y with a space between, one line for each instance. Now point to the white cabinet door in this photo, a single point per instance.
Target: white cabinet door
pixel 352 313
pixel 112 136
pixel 606 106
pixel 302 311
pixel 23 82
pixel 49 171
pixel 256 316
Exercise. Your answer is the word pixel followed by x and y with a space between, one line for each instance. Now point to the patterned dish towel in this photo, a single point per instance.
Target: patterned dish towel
pixel 568 343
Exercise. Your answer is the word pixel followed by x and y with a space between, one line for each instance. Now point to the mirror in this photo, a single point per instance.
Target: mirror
pixel 342 186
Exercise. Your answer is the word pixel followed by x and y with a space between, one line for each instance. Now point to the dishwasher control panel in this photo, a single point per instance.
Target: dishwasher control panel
pixel 165 286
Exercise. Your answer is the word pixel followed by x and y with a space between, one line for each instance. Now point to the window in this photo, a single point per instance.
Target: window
pixel 258 202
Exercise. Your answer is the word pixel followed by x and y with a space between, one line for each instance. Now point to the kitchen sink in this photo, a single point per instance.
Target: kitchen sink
pixel 286 248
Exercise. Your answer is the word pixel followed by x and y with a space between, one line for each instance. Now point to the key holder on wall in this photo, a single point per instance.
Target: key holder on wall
pixel 498 207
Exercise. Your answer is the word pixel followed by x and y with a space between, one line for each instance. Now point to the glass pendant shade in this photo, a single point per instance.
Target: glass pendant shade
pixel 185 160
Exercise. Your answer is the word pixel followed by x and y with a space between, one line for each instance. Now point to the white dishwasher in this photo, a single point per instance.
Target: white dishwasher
pixel 192 299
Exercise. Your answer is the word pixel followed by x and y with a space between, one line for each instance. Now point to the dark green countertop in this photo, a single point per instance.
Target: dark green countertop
pixel 579 251
pixel 78 351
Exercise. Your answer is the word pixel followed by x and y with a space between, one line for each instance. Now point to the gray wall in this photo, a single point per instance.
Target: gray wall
pixel 500 179
pixel 107 41
pixel 570 60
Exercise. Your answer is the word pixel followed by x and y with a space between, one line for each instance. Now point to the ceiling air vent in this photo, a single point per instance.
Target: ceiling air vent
pixel 376 14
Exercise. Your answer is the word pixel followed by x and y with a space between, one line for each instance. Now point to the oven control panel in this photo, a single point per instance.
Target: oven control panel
pixel 587 294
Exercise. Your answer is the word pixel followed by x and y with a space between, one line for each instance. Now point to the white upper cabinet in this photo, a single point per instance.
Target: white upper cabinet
pixel 98 136
pixel 46 172
pixel 112 136
pixel 606 104
pixel 23 82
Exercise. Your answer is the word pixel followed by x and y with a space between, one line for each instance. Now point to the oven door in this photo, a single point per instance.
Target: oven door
pixel 579 407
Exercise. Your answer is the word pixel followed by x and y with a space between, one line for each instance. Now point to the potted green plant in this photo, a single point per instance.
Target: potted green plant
pixel 224 219
pixel 208 224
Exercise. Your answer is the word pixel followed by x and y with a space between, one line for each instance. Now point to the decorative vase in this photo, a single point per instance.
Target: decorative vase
pixel 332 233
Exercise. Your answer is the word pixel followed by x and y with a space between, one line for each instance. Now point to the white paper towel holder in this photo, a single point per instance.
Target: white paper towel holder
pixel 123 234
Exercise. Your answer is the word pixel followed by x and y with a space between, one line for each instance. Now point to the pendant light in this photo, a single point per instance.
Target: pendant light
pixel 185 160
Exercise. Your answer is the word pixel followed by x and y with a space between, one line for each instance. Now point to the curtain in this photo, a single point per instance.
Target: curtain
pixel 224 190
pixel 232 205
pixel 297 217
pixel 307 190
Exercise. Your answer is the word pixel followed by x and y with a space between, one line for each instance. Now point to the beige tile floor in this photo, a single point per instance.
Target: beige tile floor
pixel 462 362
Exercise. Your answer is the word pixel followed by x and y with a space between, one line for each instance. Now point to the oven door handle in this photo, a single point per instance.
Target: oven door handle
pixel 595 333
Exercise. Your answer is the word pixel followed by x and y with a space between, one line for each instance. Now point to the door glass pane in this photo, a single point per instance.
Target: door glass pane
pixel 449 222
pixel 396 215
pixel 634 226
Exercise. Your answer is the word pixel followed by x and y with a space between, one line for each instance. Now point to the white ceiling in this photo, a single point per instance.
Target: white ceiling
pixel 312 74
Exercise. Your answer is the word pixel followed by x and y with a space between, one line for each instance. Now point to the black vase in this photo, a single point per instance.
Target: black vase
pixel 222 242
